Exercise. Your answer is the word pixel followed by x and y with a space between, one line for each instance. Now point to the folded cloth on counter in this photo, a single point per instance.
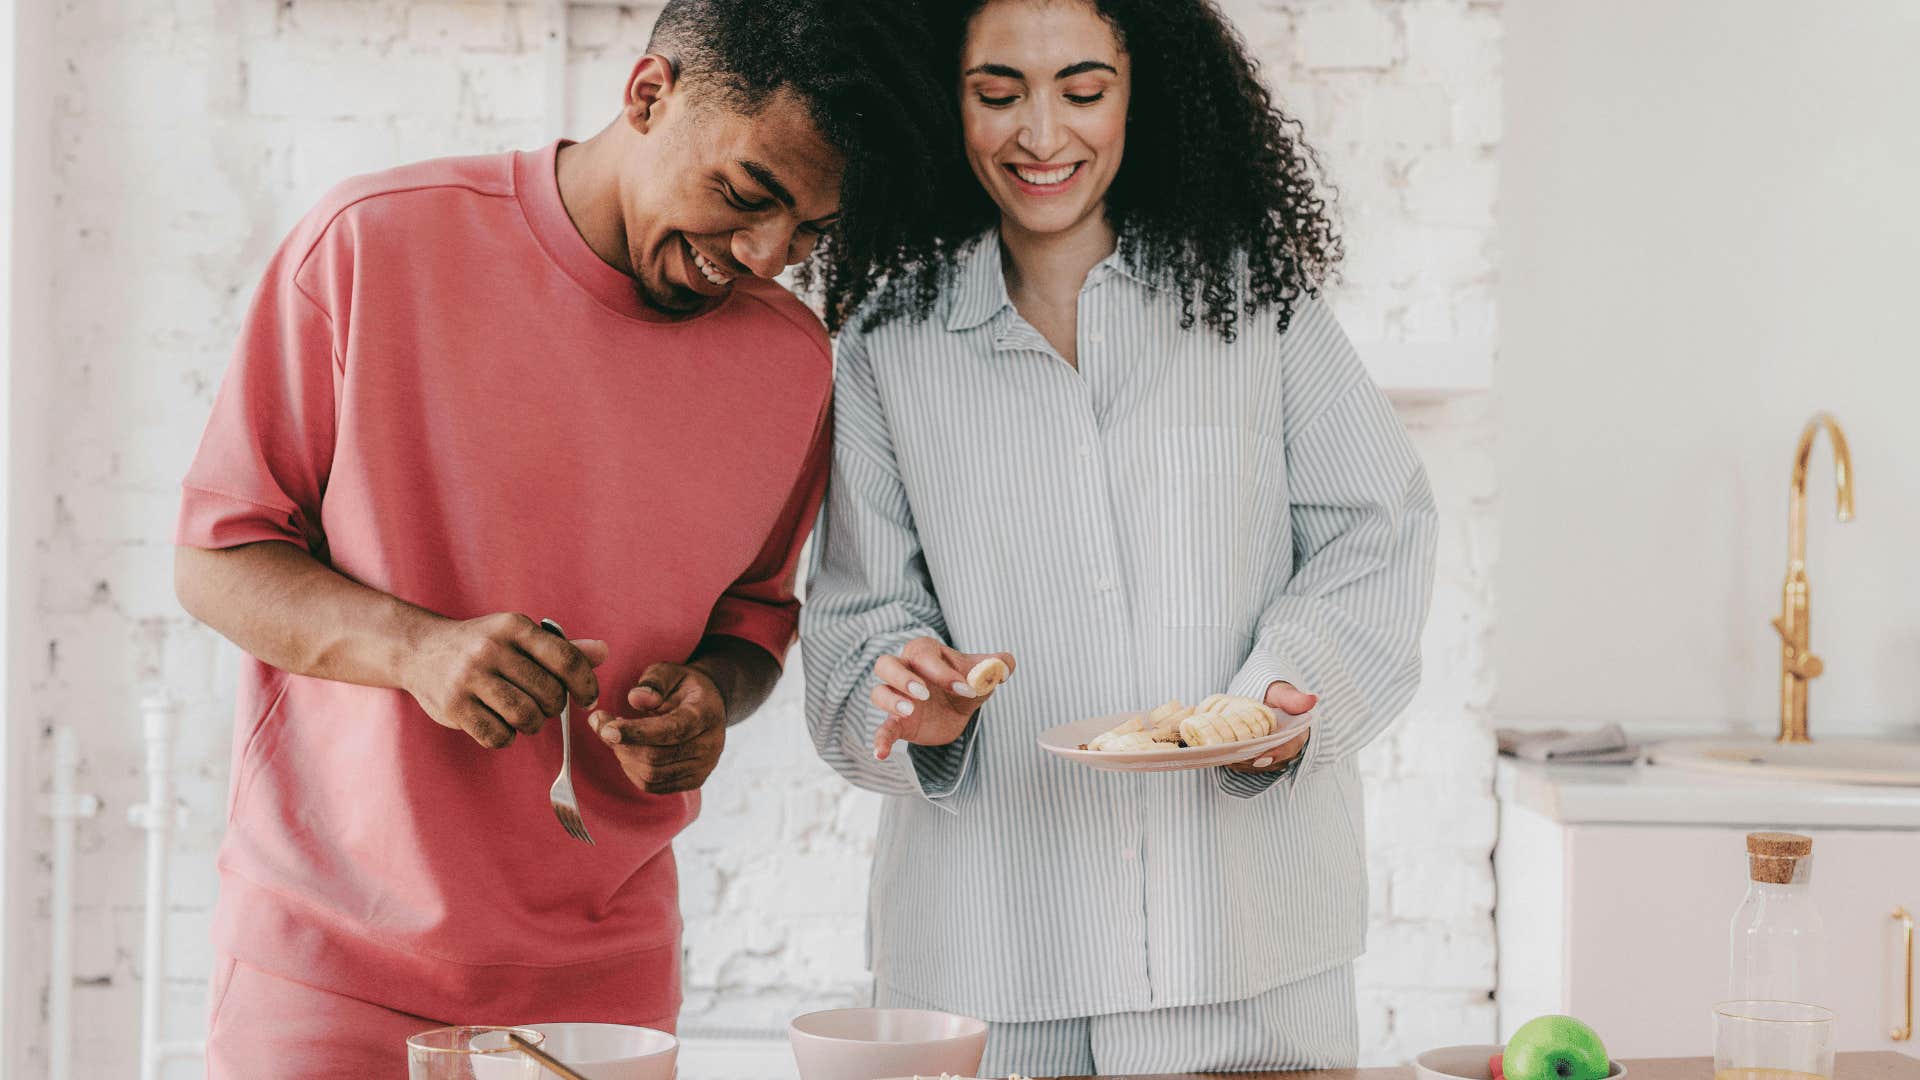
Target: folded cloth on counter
pixel 1604 745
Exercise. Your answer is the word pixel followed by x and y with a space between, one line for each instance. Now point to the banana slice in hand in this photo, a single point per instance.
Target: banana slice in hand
pixel 988 674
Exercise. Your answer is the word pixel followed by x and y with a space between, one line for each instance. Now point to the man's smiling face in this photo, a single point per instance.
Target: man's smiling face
pixel 710 192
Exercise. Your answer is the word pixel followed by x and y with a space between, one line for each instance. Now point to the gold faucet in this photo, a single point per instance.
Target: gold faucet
pixel 1797 662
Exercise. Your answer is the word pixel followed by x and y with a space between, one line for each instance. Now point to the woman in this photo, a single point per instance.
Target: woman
pixel 1119 437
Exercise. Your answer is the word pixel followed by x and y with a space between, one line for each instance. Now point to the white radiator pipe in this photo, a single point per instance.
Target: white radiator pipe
pixel 158 816
pixel 67 807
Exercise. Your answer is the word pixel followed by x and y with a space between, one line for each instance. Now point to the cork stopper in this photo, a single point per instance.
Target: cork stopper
pixel 1789 845
pixel 1774 857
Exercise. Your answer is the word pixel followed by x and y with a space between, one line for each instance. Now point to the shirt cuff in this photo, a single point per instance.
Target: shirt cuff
pixel 939 770
pixel 215 520
pixel 1261 670
pixel 1243 785
pixel 770 626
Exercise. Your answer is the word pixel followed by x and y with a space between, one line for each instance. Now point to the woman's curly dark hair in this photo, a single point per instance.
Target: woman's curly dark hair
pixel 1197 110
pixel 862 67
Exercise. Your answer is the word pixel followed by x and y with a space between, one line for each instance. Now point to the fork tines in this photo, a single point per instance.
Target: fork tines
pixel 570 821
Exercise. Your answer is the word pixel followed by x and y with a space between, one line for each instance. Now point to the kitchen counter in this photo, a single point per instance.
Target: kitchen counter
pixel 1666 795
pixel 1878 1065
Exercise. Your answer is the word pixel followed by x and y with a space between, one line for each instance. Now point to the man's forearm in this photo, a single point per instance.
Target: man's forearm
pixel 280 604
pixel 743 672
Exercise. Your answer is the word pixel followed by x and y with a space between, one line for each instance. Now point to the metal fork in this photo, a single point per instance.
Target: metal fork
pixel 565 806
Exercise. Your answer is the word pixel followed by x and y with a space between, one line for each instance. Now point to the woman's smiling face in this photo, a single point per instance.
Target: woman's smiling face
pixel 1044 87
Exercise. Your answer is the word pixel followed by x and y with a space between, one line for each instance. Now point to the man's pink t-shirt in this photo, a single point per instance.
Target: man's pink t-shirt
pixel 442 392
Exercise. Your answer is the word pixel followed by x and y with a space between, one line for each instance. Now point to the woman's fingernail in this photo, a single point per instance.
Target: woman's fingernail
pixel 964 690
pixel 877 755
pixel 1263 763
pixel 904 708
pixel 918 690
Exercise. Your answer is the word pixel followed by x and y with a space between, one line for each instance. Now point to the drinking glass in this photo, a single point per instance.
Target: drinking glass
pixel 449 1053
pixel 1772 1040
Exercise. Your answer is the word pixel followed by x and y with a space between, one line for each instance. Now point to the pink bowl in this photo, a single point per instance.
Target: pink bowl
pixel 595 1051
pixel 868 1044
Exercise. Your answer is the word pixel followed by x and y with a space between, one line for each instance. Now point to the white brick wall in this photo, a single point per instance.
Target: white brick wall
pixel 188 137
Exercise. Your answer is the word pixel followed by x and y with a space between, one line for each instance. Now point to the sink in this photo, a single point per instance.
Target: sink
pixel 1845 761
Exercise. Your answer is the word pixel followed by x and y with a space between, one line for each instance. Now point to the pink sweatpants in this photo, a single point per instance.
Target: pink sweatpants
pixel 263 1027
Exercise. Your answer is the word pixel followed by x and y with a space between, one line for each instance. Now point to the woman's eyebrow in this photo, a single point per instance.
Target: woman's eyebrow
pixel 1001 70
pixel 1083 67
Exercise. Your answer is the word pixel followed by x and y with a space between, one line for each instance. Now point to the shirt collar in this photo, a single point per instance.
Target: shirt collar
pixel 980 286
pixel 1130 266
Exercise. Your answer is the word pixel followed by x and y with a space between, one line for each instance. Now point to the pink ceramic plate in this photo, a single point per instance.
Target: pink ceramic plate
pixel 1065 741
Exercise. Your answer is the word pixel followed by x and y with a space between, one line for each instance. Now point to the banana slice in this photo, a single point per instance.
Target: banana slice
pixel 1159 728
pixel 988 674
pixel 1127 740
pixel 1163 723
pixel 1219 719
pixel 1223 719
pixel 1106 739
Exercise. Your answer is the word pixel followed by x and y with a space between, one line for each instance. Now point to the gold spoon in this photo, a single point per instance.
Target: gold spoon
pixel 545 1059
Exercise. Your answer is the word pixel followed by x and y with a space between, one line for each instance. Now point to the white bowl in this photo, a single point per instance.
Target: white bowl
pixel 596 1051
pixel 1473 1062
pixel 867 1044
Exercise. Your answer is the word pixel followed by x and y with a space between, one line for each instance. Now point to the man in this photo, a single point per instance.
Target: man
pixel 472 393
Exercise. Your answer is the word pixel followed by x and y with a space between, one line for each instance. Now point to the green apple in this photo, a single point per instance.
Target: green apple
pixel 1555 1048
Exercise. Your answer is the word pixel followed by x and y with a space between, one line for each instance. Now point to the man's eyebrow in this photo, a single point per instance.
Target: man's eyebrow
pixel 765 178
pixel 1083 67
pixel 1001 70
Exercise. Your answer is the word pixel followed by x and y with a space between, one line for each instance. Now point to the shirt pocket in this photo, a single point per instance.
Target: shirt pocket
pixel 1216 485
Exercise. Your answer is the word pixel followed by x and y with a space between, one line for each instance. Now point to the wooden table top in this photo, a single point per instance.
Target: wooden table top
pixel 1871 1065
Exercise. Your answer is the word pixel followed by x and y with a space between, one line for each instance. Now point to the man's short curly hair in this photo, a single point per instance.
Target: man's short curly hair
pixel 1218 192
pixel 867 72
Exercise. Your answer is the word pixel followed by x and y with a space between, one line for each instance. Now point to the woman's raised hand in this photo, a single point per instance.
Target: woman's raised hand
pixel 925 694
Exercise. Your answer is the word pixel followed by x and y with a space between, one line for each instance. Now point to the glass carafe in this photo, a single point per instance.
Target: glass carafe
pixel 1779 944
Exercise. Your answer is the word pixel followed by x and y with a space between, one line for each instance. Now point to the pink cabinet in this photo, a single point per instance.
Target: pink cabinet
pixel 1624 925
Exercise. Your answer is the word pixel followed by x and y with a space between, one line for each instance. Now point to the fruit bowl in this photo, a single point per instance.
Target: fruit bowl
pixel 1471 1063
